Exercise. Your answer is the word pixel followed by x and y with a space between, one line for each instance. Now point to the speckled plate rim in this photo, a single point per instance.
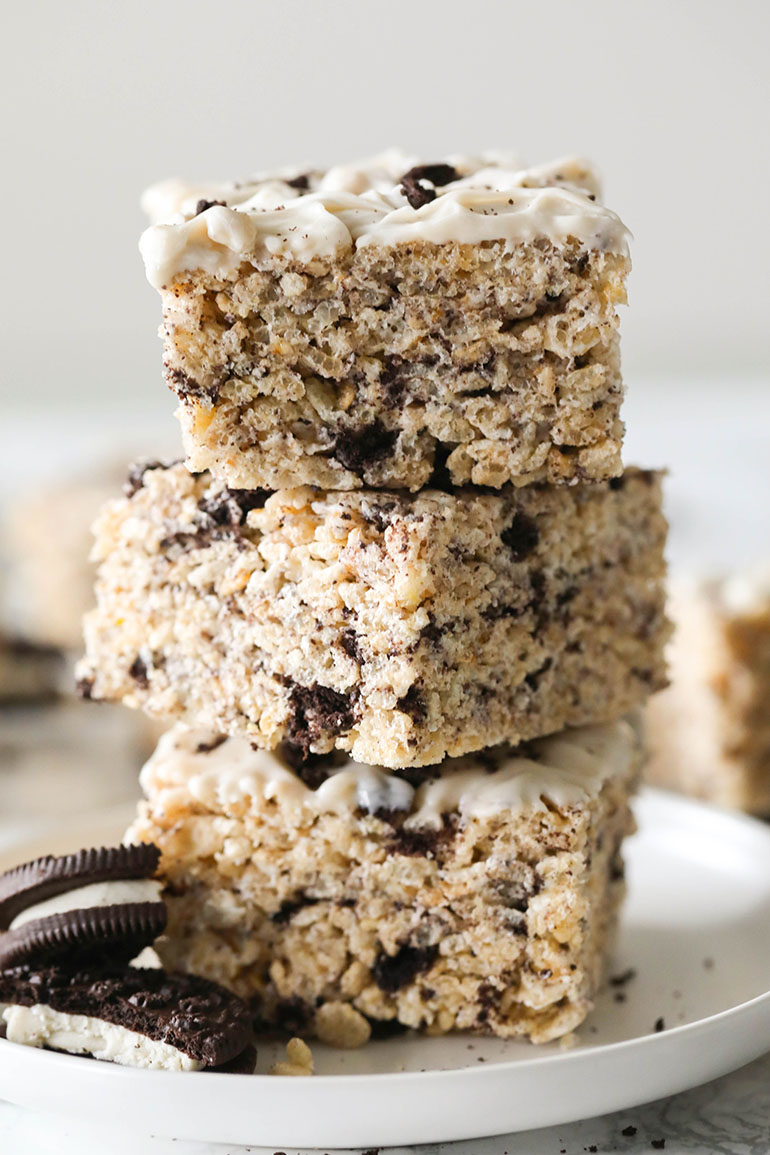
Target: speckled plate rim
pixel 401 1108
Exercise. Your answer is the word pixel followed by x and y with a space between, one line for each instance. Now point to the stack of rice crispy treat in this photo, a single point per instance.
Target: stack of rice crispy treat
pixel 401 601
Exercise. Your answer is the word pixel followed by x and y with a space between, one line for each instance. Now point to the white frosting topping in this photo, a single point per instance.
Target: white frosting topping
pixel 493 198
pixel 42 1026
pixel 109 893
pixel 565 770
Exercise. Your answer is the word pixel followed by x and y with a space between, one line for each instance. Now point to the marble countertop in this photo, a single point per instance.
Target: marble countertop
pixel 730 1116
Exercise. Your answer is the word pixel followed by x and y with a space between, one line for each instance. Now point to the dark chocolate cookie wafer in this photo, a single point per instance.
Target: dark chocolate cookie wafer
pixel 96 905
pixel 43 878
pixel 180 1019
pixel 242 1064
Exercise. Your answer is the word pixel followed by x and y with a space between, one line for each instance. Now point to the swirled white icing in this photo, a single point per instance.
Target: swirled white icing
pixel 492 198
pixel 564 770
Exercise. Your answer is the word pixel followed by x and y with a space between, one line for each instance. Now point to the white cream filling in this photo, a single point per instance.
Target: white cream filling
pixel 147 960
pixel 42 1026
pixel 109 893
pixel 495 198
pixel 571 768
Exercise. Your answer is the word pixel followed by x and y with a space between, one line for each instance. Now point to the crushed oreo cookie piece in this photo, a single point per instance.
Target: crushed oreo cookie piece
pixel 422 842
pixel 532 679
pixel 290 906
pixel 357 449
pixel 84 688
pixel 135 480
pixel 312 769
pixel 350 645
pixel 317 712
pixel 624 977
pixel 203 205
pixel 392 972
pixel 517 886
pixel 138 671
pixel 230 507
pixel 184 385
pixel 221 517
pixel 213 744
pixel 419 184
pixel 386 1028
pixel 521 537
pixel 414 705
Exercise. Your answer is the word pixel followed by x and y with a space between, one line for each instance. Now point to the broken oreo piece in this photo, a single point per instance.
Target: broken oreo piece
pixel 420 183
pixel 137 1018
pixel 242 1064
pixel 98 904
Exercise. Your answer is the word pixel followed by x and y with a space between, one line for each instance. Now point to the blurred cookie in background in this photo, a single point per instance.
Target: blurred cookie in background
pixel 30 671
pixel 69 757
pixel 58 754
pixel 46 541
pixel 709 732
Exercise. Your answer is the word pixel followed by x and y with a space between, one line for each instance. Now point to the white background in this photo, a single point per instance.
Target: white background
pixel 99 99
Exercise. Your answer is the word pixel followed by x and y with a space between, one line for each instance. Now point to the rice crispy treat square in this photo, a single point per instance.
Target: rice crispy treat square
pixel 389 324
pixel 401 628
pixel 344 899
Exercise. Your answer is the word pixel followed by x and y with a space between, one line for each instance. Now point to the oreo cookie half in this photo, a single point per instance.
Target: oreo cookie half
pixel 101 904
pixel 137 1018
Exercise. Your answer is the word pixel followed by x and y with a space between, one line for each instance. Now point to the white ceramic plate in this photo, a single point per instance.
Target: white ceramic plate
pixel 696 930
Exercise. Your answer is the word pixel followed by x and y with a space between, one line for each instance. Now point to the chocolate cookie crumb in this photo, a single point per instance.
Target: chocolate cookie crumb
pixel 203 204
pixel 414 705
pixel 623 978
pixel 629 1131
pixel 391 972
pixel 138 671
pixel 84 688
pixel 349 644
pixel 521 537
pixel 317 711
pixel 533 677
pixel 660 1025
pixel 358 448
pixel 420 183
pixel 229 507
pixel 184 385
pixel 135 480
pixel 207 747
pixel 435 174
pixel 440 477
pixel 387 1028
pixel 416 193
